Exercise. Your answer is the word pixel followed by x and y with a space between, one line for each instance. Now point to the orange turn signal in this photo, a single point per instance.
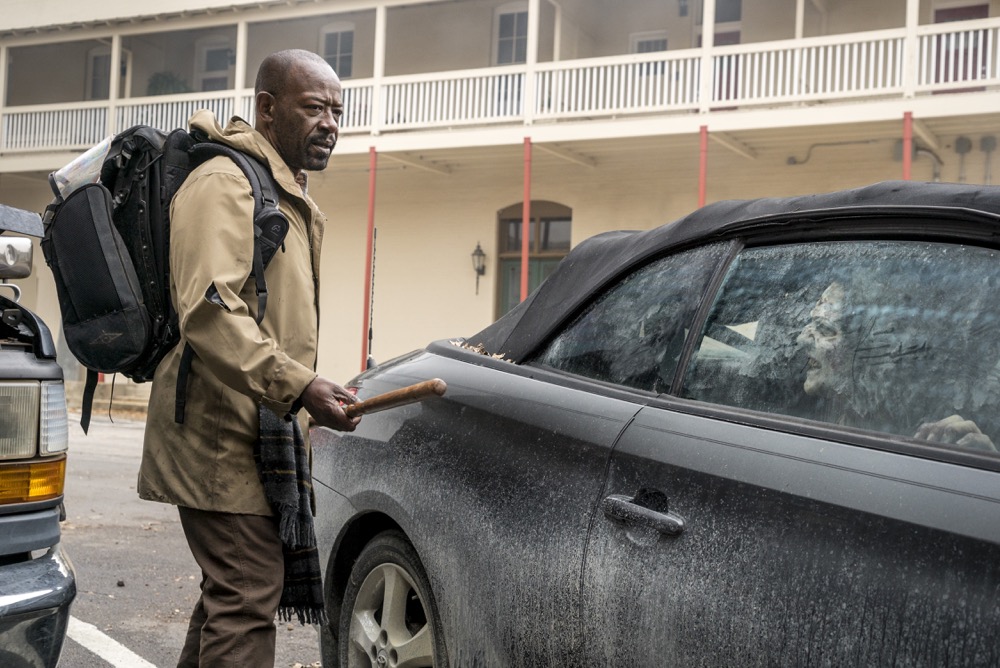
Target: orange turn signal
pixel 21 482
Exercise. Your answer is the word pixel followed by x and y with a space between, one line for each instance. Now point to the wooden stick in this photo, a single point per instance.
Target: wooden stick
pixel 405 395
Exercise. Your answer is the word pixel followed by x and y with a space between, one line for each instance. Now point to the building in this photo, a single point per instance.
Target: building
pixel 599 115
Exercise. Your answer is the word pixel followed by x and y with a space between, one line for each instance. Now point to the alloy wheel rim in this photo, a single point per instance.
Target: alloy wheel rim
pixel 389 626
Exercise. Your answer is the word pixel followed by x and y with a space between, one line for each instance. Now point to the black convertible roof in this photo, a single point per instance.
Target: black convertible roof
pixel 597 261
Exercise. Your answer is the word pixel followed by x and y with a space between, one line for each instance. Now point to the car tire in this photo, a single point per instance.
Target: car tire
pixel 327 644
pixel 404 627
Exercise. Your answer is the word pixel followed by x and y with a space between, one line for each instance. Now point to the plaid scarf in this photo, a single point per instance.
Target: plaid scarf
pixel 283 466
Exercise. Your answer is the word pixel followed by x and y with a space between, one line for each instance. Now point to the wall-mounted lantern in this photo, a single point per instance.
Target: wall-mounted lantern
pixel 478 263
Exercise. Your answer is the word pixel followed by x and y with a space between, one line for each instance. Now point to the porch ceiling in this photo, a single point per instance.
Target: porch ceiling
pixel 765 146
pixel 667 154
pixel 157 15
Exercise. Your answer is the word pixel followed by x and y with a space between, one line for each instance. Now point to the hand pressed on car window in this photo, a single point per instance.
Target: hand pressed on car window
pixel 956 430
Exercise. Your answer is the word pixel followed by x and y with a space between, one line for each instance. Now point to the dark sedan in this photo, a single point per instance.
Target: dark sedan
pixel 763 435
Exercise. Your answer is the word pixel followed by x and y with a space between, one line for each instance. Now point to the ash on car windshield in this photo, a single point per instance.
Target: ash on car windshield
pixel 894 337
pixel 634 333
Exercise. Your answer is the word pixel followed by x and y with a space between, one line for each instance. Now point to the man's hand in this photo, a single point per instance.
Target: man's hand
pixel 955 429
pixel 322 398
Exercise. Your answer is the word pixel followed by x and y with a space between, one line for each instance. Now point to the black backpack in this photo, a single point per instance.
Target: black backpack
pixel 108 245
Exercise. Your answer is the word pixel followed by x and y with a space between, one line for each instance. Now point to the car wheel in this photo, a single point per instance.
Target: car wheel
pixel 389 617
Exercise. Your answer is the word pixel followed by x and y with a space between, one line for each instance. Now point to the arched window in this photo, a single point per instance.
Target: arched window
pixel 336 45
pixel 549 242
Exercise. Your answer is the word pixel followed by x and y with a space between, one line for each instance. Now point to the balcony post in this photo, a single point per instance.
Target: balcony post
pixel 707 77
pixel 907 145
pixel 531 58
pixel 240 71
pixel 702 164
pixel 366 317
pixel 379 70
pixel 111 124
pixel 911 49
pixel 4 50
pixel 526 220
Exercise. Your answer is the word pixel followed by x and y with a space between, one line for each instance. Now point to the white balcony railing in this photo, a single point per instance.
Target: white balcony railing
pixel 53 127
pixel 811 69
pixel 955 56
pixel 667 81
pixel 170 114
pixel 951 58
pixel 453 98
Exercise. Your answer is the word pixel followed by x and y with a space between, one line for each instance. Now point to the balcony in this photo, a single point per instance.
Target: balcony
pixel 884 64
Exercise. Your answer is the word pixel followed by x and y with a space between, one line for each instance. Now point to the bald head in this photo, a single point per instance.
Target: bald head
pixel 276 70
pixel 299 101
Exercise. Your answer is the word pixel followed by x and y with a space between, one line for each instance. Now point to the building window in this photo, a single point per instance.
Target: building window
pixel 549 242
pixel 648 42
pixel 511 34
pixel 99 73
pixel 214 65
pixel 726 11
pixel 337 47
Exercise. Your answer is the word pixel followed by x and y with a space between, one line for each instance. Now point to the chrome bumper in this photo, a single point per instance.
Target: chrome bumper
pixel 35 598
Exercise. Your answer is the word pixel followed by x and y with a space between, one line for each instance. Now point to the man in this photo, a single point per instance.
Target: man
pixel 206 465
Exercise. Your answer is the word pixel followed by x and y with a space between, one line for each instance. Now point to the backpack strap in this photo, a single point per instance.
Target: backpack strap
pixel 269 229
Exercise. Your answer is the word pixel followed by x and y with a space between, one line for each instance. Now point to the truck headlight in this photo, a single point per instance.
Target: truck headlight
pixel 19 408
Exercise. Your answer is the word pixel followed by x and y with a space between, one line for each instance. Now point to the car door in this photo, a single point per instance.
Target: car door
pixel 503 474
pixel 782 509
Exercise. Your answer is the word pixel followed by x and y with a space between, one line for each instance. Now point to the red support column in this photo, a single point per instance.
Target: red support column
pixel 907 145
pixel 702 165
pixel 366 331
pixel 526 219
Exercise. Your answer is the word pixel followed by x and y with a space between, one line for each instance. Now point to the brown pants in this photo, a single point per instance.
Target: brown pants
pixel 241 562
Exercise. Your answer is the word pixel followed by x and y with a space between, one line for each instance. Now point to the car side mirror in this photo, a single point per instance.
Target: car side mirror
pixel 15 257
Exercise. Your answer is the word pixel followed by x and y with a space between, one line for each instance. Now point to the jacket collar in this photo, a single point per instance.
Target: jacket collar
pixel 240 135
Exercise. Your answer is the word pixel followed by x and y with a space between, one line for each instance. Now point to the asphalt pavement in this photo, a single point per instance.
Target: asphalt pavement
pixel 137 582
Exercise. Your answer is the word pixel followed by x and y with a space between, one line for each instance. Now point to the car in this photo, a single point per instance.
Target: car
pixel 37 580
pixel 762 435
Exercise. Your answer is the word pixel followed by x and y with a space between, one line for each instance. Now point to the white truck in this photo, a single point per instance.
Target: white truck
pixel 37 580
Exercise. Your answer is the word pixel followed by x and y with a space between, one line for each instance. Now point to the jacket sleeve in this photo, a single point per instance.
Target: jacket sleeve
pixel 211 255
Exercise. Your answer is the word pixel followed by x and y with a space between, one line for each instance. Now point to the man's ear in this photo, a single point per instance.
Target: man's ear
pixel 264 106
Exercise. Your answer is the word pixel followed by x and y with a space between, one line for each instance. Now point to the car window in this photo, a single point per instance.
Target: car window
pixel 895 337
pixel 634 333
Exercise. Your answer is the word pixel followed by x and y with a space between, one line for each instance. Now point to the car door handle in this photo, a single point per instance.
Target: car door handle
pixel 648 508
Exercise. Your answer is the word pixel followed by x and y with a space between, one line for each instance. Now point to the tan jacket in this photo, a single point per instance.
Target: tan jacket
pixel 207 462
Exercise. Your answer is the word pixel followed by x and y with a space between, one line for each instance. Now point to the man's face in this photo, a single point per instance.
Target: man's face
pixel 823 341
pixel 304 121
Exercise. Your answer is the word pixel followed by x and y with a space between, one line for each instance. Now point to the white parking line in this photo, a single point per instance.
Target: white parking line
pixel 104 646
